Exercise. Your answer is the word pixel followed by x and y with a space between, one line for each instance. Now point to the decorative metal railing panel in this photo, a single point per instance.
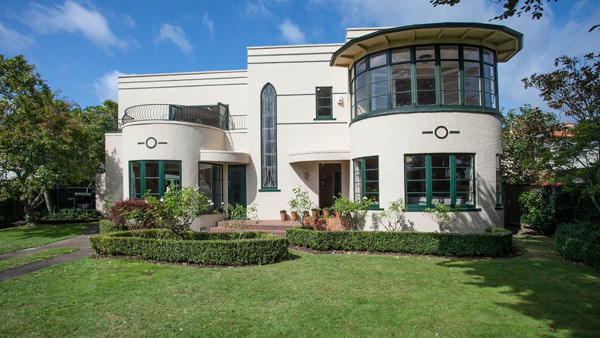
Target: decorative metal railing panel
pixel 214 116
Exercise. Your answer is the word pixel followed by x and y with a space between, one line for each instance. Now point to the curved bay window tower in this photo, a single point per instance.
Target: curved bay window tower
pixel 424 103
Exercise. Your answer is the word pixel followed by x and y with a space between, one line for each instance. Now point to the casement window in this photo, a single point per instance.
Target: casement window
pixel 324 98
pixel 153 177
pixel 268 129
pixel 499 202
pixel 210 182
pixel 429 77
pixel 366 179
pixel 432 179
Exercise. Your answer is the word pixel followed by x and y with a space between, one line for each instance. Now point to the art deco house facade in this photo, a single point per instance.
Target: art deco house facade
pixel 404 112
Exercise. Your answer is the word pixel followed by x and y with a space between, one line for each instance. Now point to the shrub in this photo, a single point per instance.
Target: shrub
pixel 353 212
pixel 125 213
pixel 107 226
pixel 196 247
pixel 538 216
pixel 443 215
pixel 492 243
pixel 394 218
pixel 301 203
pixel 76 214
pixel 579 242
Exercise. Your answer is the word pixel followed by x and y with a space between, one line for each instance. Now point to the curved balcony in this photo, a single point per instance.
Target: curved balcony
pixel 214 116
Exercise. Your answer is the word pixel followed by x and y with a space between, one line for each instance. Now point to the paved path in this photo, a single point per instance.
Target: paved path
pixel 80 243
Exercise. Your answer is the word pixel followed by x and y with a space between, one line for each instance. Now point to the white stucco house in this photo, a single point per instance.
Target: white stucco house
pixel 404 112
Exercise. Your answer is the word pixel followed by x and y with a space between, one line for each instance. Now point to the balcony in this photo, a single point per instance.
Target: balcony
pixel 214 116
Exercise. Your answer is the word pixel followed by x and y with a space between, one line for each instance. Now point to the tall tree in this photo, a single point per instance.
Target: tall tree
pixel 511 7
pixel 574 90
pixel 529 138
pixel 43 142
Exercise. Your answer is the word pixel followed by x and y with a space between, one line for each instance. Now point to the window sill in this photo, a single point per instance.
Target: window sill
pixel 427 109
pixel 269 190
pixel 324 119
pixel 422 208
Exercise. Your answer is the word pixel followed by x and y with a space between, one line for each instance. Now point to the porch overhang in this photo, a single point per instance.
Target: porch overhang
pixel 224 156
pixel 319 156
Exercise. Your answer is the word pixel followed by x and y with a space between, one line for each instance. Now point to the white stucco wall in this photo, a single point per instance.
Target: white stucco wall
pixel 109 186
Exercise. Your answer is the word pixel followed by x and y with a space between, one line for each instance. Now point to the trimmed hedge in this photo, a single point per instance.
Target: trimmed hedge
pixel 579 242
pixel 198 247
pixel 494 242
pixel 107 226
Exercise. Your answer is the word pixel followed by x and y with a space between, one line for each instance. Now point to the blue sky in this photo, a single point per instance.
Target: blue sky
pixel 80 47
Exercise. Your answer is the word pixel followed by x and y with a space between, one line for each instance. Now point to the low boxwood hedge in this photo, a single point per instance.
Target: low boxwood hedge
pixel 107 226
pixel 198 247
pixel 494 242
pixel 579 242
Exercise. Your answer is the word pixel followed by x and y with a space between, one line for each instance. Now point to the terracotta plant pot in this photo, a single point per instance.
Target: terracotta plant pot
pixel 283 215
pixel 294 216
pixel 326 213
pixel 338 214
pixel 315 213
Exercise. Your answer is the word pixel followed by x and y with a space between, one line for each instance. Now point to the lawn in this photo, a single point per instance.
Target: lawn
pixel 33 257
pixel 19 238
pixel 532 295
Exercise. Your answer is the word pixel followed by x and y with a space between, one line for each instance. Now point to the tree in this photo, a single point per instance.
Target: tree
pixel 574 90
pixel 511 7
pixel 43 142
pixel 100 120
pixel 528 140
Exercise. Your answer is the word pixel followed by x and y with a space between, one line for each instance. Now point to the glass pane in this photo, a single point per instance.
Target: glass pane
pixel 401 55
pixel 472 83
pixel 268 137
pixel 440 173
pixel 440 161
pixel 205 178
pixel 463 186
pixel 136 187
pixel 489 72
pixel 425 69
pixel 451 97
pixel 443 186
pixel 472 98
pixel 402 85
pixel 471 53
pixel 441 198
pixel 426 97
pixel 415 161
pixel 415 174
pixel 450 83
pixel 463 198
pixel 361 81
pixel 488 56
pixel 371 163
pixel 152 186
pixel 379 74
pixel 471 69
pixel 152 170
pixel 324 92
pixel 417 198
pixel 463 173
pixel 324 101
pixel 361 66
pixel 361 94
pixel 449 68
pixel 361 107
pixel 378 60
pixel 371 187
pixel 172 175
pixel 136 169
pixel 401 71
pixel 324 112
pixel 490 100
pixel 379 103
pixel 449 52
pixel 402 99
pixel 416 186
pixel 490 86
pixel 372 175
pixel 464 160
pixel 425 53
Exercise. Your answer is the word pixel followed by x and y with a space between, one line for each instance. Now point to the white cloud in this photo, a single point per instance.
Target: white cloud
pixel 210 25
pixel 291 33
pixel 175 34
pixel 73 18
pixel 11 40
pixel 260 8
pixel 107 86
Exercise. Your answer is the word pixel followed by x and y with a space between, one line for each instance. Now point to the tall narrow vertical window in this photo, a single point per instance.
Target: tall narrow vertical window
pixel 361 105
pixel 210 182
pixel 472 76
pixel 498 182
pixel 450 75
pixel 153 177
pixel 426 81
pixel 324 103
pixel 401 78
pixel 489 79
pixel 366 179
pixel 268 117
pixel 378 81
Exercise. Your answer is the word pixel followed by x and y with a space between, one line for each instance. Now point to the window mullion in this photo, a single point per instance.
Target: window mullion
pixel 428 182
pixel 438 76
pixel 142 178
pixel 363 177
pixel 161 178
pixel 453 180
pixel 461 72
pixel 413 76
pixel 481 78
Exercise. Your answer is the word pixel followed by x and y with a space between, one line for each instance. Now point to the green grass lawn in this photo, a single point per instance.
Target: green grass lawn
pixel 310 295
pixel 33 257
pixel 19 238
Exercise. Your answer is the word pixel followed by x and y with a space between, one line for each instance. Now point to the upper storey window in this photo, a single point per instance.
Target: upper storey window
pixel 434 77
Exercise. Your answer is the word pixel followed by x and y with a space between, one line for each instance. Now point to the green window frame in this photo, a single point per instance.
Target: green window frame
pixel 366 179
pixel 431 179
pixel 268 138
pixel 431 77
pixel 324 103
pixel 499 192
pixel 153 177
pixel 210 182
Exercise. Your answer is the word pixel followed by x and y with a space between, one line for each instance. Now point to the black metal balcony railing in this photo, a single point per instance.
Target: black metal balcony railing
pixel 214 116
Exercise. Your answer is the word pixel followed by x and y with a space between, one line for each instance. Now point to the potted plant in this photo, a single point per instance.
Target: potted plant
pixel 294 216
pixel 326 212
pixel 283 215
pixel 315 212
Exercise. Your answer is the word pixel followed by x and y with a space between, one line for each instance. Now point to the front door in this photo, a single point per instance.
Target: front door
pixel 236 182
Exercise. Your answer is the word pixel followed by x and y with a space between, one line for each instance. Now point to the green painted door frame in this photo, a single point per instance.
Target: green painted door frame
pixel 236 184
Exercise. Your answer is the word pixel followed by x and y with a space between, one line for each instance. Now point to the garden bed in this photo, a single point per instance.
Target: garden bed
pixel 579 242
pixel 246 248
pixel 495 242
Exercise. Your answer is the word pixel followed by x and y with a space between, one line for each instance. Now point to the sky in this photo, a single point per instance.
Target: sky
pixel 81 46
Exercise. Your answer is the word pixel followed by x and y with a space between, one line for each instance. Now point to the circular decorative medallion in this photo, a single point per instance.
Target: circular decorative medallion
pixel 441 132
pixel 151 142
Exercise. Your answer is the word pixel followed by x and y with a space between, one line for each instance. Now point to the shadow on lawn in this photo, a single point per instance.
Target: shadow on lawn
pixel 546 287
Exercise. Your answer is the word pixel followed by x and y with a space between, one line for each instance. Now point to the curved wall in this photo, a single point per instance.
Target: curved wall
pixel 178 141
pixel 392 136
